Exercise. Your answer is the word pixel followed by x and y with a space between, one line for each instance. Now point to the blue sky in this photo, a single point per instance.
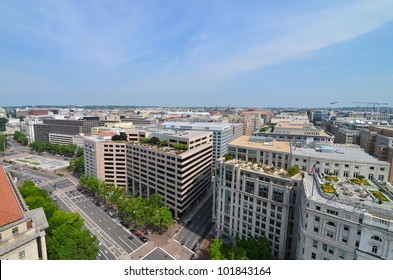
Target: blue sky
pixel 196 53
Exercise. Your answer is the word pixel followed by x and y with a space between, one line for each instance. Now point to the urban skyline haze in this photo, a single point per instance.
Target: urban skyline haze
pixel 196 53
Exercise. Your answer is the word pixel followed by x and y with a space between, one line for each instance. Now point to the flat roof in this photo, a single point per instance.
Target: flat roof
pixel 196 125
pixel 10 210
pixel 279 146
pixel 349 199
pixel 341 153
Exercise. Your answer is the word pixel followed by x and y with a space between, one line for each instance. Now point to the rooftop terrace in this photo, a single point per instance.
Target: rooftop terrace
pixel 349 194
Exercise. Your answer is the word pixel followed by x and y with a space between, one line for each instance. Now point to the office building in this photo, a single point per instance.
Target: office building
pixel 254 196
pixel 179 176
pixel 106 159
pixel 298 132
pixel 222 134
pixel 64 126
pixel 344 221
pixel 346 161
pixel 22 232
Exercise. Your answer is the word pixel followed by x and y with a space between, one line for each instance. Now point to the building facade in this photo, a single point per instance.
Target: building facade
pixel 180 177
pixel 22 232
pixel 64 126
pixel 254 196
pixel 222 134
pixel 347 224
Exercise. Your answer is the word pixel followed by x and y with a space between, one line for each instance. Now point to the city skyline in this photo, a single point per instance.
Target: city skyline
pixel 263 54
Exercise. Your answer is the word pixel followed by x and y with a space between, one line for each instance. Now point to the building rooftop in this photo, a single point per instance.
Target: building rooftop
pixel 338 153
pixel 10 210
pixel 196 126
pixel 245 141
pixel 262 169
pixel 349 196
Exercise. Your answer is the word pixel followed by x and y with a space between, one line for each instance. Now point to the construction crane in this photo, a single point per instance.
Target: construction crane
pixel 373 103
pixel 332 103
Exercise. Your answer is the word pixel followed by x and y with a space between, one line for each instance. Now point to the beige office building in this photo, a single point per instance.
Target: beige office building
pixel 106 159
pixel 180 177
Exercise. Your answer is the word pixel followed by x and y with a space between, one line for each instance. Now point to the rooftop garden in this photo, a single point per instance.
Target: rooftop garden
pixel 264 128
pixel 331 178
pixel 380 196
pixel 163 143
pixel 360 181
pixel 293 170
pixel 328 188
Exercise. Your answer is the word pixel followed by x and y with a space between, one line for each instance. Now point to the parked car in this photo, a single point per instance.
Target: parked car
pixel 132 230
pixel 189 222
pixel 138 233
pixel 143 239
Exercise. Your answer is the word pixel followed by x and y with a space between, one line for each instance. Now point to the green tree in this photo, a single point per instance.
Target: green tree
pixel 65 238
pixel 77 164
pixel 3 122
pixel 215 250
pixel 3 142
pixel 21 138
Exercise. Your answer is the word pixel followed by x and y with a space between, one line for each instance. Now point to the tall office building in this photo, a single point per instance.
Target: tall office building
pixel 106 159
pixel 180 177
pixel 22 232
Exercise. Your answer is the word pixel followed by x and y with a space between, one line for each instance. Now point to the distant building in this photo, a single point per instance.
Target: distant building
pixel 300 132
pixel 64 126
pixel 378 142
pixel 63 139
pixel 22 232
pixel 222 134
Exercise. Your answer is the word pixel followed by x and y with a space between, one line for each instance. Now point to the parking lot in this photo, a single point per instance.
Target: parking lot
pixel 25 174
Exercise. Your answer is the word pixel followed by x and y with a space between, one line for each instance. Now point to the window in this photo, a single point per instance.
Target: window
pixel 374 249
pixel 376 238
pixel 15 231
pixel 22 254
pixel 346 228
pixel 316 218
pixel 318 208
pixel 331 224
pixel 344 239
pixel 315 243
pixel 313 256
pixel 278 195
pixel 341 254
pixel 381 177
pixel 316 229
pixel 330 233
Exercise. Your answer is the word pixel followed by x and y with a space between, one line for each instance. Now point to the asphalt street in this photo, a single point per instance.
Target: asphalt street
pixel 201 223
